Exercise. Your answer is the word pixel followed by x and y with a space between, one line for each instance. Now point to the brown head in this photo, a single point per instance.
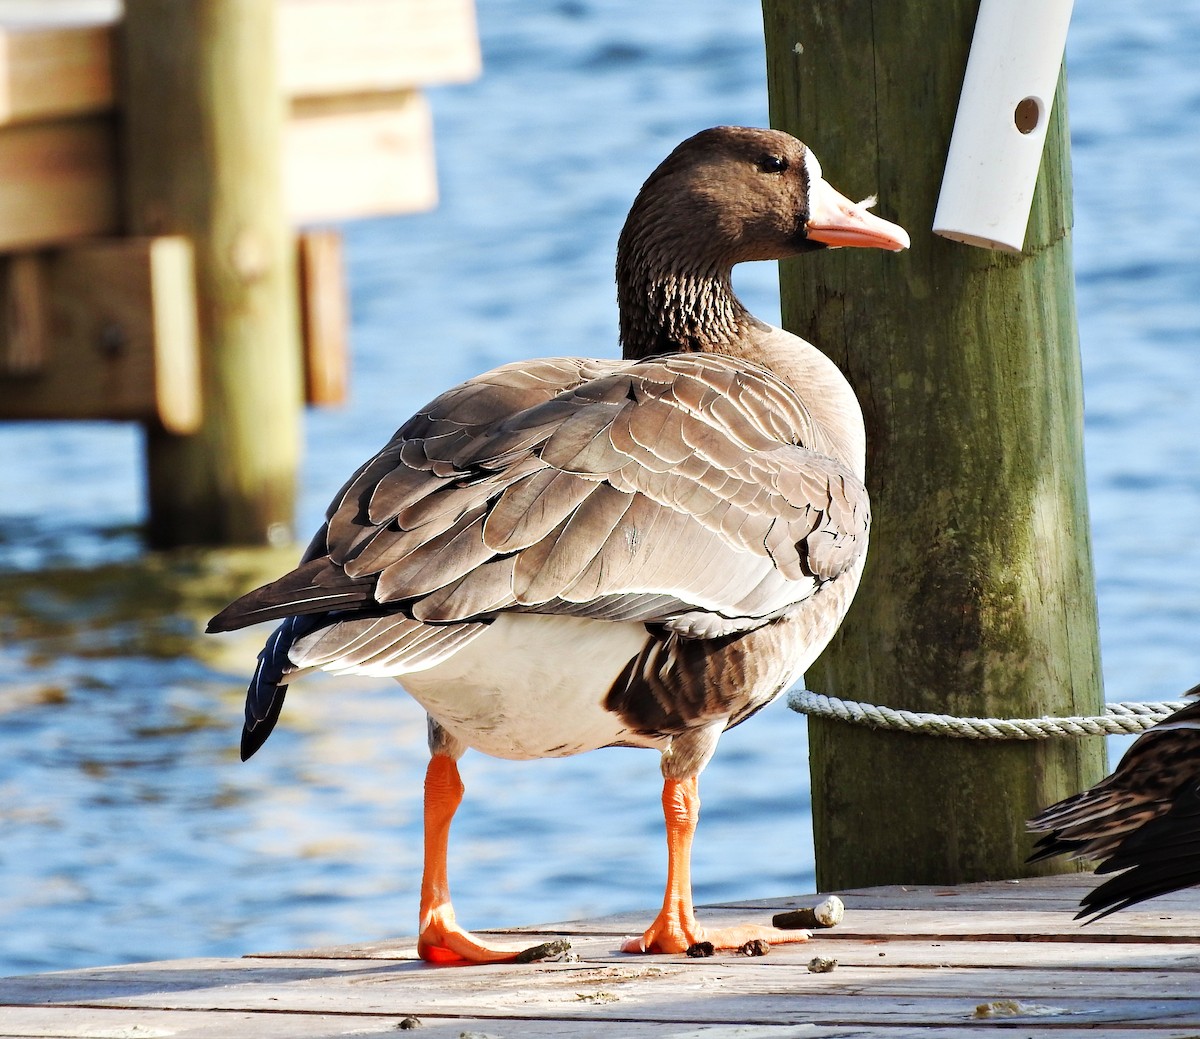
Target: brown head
pixel 725 196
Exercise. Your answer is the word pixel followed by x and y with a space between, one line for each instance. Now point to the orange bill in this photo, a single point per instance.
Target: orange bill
pixel 836 221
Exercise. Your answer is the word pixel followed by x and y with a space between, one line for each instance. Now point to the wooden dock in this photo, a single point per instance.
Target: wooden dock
pixel 1004 958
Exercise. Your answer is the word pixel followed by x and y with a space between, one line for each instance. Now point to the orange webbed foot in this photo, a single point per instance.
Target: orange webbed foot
pixel 442 940
pixel 673 935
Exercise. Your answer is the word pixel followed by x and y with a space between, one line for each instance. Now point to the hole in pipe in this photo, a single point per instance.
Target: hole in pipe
pixel 1028 114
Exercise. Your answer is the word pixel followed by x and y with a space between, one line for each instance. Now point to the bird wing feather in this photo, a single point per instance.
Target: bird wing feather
pixel 1143 819
pixel 674 490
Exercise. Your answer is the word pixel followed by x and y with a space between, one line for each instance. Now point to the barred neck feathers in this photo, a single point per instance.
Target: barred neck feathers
pixel 725 196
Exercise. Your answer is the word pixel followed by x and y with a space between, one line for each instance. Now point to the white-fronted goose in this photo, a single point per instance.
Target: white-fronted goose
pixel 567 554
pixel 1143 820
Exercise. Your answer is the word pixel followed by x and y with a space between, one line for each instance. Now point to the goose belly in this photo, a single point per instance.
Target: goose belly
pixel 533 686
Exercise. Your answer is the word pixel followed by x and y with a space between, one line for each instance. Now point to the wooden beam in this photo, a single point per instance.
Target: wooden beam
pixel 359 156
pixel 348 157
pixel 324 317
pixel 107 330
pixel 56 59
pixel 978 596
pixel 367 46
pixel 102 330
pixel 50 71
pixel 25 346
pixel 58 182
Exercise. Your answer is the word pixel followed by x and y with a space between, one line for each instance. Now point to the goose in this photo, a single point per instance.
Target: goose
pixel 572 553
pixel 1142 822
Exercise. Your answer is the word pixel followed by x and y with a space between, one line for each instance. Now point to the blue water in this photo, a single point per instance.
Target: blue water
pixel 128 830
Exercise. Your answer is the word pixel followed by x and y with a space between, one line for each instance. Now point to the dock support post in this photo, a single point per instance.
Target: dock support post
pixel 203 118
pixel 978 597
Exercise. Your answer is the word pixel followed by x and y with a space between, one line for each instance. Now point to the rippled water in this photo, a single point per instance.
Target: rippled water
pixel 128 830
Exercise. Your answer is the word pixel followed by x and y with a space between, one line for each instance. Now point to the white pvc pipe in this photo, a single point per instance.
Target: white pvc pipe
pixel 1003 114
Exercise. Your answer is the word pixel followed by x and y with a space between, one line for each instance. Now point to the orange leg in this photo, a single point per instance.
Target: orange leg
pixel 675 927
pixel 441 939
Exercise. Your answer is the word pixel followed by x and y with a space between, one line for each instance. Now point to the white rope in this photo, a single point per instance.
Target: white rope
pixel 1118 719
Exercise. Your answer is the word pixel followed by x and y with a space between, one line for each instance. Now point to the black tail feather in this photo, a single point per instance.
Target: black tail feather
pixel 1161 857
pixel 315 587
pixel 267 689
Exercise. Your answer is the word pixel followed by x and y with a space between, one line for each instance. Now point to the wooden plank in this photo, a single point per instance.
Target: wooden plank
pixel 23 350
pixel 117 332
pixel 984 925
pixel 1063 890
pixel 776 989
pixel 355 157
pixel 57 182
pixel 44 1022
pixel 359 156
pixel 870 951
pixel 362 46
pixel 51 72
pixel 56 60
pixel 324 316
pixel 893 986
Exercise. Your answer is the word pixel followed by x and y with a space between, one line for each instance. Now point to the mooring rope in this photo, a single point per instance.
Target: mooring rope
pixel 1118 719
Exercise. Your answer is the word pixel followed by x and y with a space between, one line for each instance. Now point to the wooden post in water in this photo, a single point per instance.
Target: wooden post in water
pixel 203 117
pixel 978 597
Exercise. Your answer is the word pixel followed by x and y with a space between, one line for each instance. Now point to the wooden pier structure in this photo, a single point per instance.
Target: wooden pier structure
pixel 1000 958
pixel 170 178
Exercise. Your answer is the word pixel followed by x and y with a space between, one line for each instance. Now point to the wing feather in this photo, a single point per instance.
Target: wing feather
pixel 667 489
pixel 380 645
pixel 1144 818
pixel 529 509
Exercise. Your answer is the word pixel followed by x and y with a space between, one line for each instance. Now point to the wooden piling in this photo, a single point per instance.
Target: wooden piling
pixel 203 121
pixel 978 597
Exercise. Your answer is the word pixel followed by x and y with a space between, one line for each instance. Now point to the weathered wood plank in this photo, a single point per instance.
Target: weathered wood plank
pixel 359 155
pixel 54 71
pixel 986 924
pixel 57 182
pixel 324 316
pixel 855 950
pixel 44 1022
pixel 715 991
pixel 1066 888
pixel 56 60
pixel 653 984
pixel 894 985
pixel 104 329
pixel 357 46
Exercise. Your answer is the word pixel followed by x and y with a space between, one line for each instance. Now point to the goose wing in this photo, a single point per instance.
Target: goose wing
pixel 1143 819
pixel 679 490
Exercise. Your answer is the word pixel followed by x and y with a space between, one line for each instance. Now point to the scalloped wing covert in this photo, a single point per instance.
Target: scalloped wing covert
pixel 675 490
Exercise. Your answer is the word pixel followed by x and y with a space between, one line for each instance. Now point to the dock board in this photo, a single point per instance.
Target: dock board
pixel 1001 958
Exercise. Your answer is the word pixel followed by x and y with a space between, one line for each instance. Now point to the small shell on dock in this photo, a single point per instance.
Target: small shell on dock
pixel 821 965
pixel 826 913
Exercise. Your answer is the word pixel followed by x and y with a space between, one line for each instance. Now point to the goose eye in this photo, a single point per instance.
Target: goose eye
pixel 772 164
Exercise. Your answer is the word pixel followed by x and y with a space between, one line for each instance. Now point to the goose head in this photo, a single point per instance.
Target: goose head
pixel 725 196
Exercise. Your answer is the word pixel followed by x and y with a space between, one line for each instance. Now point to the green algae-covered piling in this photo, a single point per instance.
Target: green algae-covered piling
pixel 978 597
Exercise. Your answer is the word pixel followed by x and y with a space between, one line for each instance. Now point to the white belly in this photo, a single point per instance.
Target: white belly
pixel 533 686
